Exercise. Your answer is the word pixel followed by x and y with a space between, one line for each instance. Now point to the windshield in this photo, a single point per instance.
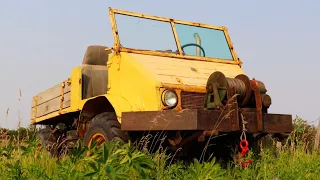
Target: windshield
pixel 146 34
pixel 154 35
pixel 212 41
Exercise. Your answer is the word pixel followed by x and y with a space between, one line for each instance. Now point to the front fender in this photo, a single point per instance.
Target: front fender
pixel 119 104
pixel 108 102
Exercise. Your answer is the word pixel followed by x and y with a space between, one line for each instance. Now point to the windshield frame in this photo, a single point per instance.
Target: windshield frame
pixel 117 48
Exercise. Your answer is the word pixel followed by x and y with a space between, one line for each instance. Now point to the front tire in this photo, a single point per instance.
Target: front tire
pixel 105 127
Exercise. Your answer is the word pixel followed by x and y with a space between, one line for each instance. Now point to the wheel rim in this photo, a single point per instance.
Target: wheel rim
pixel 97 137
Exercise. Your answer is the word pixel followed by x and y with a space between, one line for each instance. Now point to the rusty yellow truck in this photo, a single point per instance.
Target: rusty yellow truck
pixel 182 79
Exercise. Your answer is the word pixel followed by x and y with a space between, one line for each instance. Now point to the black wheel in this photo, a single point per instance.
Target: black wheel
pixel 104 127
pixel 48 139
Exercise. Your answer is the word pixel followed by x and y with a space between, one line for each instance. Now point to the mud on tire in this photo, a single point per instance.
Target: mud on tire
pixel 105 124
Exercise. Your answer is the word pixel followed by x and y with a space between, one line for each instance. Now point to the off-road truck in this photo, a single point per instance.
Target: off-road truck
pixel 181 80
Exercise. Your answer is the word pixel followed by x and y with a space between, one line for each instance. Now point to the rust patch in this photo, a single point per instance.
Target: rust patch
pixel 179 80
pixel 257 96
pixel 192 119
pixel 192 100
pixel 273 123
pixel 62 97
pixel 248 86
pixel 194 69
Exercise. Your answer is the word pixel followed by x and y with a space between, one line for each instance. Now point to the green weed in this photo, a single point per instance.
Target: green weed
pixel 296 159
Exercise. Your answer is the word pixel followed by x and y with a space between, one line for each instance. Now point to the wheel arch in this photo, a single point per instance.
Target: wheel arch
pixel 98 105
pixel 95 106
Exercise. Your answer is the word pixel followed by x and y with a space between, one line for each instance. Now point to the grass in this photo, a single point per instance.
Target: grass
pixel 22 158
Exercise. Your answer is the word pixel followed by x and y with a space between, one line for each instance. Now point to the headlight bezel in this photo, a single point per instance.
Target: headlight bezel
pixel 163 98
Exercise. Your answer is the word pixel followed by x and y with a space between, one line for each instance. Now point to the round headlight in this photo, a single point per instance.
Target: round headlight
pixel 169 98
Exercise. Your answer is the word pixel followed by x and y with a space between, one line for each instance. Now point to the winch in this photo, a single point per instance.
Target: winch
pixel 250 93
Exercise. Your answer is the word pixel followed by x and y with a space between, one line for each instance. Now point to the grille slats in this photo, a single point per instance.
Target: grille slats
pixel 192 100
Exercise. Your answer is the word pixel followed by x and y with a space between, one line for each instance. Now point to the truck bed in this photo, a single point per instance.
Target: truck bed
pixel 52 100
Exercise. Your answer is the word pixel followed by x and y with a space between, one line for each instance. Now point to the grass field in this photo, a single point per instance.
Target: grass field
pixel 21 158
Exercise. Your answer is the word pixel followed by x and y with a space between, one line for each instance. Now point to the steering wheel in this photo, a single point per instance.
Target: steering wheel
pixel 193 44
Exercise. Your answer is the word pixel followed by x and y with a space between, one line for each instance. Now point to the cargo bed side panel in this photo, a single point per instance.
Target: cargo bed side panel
pixel 52 100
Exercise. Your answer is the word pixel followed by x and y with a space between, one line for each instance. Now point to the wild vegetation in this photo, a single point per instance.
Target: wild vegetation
pixel 22 158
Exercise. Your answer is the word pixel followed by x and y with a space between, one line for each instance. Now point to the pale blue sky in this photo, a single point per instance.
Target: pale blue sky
pixel 41 41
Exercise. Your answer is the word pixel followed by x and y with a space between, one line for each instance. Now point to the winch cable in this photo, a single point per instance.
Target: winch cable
pixel 239 86
pixel 243 140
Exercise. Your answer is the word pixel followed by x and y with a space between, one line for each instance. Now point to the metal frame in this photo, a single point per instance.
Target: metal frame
pixel 205 120
pixel 118 49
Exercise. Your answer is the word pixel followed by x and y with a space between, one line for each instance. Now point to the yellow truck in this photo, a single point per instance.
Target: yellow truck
pixel 161 76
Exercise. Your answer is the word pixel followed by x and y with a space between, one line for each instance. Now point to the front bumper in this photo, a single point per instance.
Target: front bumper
pixel 206 120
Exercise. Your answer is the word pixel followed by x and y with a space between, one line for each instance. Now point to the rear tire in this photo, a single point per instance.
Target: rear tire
pixel 105 127
pixel 49 140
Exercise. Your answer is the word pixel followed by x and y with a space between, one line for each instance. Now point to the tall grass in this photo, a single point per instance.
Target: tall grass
pixel 296 159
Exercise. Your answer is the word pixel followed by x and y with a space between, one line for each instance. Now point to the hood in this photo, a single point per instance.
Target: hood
pixel 182 72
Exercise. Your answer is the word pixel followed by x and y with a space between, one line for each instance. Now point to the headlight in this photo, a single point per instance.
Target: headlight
pixel 169 98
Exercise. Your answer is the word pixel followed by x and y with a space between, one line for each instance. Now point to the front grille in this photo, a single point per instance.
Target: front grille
pixel 192 100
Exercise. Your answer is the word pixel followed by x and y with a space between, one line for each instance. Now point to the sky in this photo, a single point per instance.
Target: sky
pixel 41 41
